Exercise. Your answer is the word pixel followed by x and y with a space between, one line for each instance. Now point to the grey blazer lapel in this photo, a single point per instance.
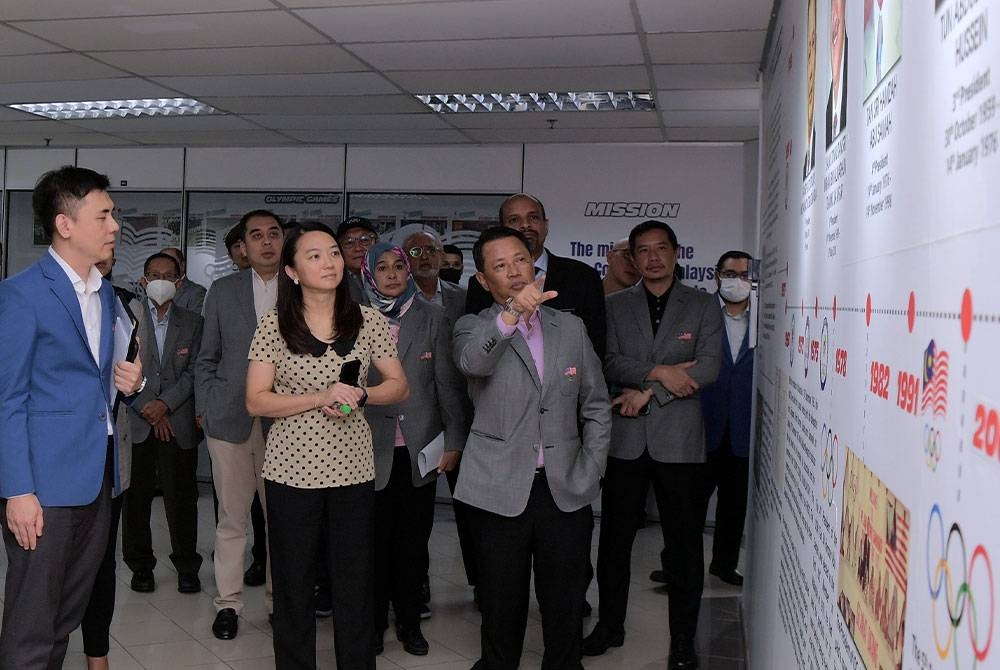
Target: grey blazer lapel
pixel 550 346
pixel 244 300
pixel 672 313
pixel 518 344
pixel 170 341
pixel 417 323
pixel 640 311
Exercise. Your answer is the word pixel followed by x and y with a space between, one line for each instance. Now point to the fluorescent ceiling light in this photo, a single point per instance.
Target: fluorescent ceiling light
pixel 109 109
pixel 603 101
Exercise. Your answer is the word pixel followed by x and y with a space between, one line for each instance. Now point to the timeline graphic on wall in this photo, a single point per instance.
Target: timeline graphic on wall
pixel 877 458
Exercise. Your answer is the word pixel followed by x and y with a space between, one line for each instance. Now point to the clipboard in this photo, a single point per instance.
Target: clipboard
pixel 126 340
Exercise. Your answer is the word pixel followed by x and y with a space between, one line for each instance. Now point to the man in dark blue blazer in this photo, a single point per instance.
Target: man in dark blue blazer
pixel 58 456
pixel 726 405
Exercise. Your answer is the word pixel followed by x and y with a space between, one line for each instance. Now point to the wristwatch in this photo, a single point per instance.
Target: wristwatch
pixel 364 397
pixel 508 306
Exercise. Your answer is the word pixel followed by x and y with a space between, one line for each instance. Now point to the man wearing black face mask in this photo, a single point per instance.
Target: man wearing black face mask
pixel 163 431
pixel 452 264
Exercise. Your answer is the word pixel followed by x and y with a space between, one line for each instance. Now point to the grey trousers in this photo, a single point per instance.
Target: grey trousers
pixel 47 589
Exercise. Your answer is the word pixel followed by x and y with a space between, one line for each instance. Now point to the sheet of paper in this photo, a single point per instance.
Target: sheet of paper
pixel 430 456
pixel 123 331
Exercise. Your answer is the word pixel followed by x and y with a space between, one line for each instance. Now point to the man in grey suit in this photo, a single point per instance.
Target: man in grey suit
pixel 163 431
pixel 535 455
pixel 663 345
pixel 236 439
pixel 190 295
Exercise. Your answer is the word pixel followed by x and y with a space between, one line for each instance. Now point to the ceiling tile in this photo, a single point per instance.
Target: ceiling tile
pixel 590 50
pixel 425 121
pixel 165 124
pixel 737 46
pixel 14 42
pixel 471 20
pixel 17 10
pixel 217 138
pixel 94 89
pixel 724 99
pixel 622 77
pixel 344 104
pixel 38 125
pixel 236 60
pixel 705 76
pixel 378 136
pixel 343 83
pixel 712 134
pixel 38 139
pixel 563 120
pixel 48 67
pixel 683 15
pixel 165 32
pixel 8 114
pixel 711 118
pixel 567 135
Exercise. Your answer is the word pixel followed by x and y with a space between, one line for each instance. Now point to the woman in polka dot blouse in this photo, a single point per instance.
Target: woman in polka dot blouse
pixel 319 471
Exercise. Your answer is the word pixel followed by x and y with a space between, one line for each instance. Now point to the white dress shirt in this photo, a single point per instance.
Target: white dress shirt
pixel 265 293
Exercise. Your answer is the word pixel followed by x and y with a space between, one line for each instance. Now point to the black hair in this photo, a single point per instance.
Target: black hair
pixel 517 196
pixel 160 254
pixel 731 254
pixel 177 250
pixel 242 225
pixel 235 235
pixel 645 227
pixel 59 192
pixel 347 317
pixel 452 249
pixel 490 235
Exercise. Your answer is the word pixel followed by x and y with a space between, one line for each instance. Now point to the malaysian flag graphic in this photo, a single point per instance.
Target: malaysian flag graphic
pixel 935 394
pixel 898 549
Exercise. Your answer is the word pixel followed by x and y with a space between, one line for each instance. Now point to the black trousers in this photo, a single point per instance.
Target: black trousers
pixel 557 544
pixel 96 624
pixel 297 518
pixel 47 589
pixel 679 494
pixel 728 475
pixel 259 549
pixel 404 517
pixel 466 542
pixel 178 478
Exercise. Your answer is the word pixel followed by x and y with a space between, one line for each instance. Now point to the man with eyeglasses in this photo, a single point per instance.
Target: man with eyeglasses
pixel 235 439
pixel 356 236
pixel 163 431
pixel 621 270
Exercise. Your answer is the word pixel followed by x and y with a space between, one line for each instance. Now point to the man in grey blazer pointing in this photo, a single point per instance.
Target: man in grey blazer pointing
pixel 535 455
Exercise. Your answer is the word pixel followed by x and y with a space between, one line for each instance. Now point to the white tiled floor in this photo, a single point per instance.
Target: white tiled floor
pixel 168 630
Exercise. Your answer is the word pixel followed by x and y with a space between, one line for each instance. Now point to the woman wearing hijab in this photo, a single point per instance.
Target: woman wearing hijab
pixel 309 361
pixel 404 498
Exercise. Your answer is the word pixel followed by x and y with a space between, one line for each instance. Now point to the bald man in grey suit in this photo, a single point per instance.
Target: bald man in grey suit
pixel 535 455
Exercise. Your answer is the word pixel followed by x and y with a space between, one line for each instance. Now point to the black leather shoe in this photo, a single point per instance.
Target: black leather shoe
pixel 322 602
pixel 600 640
pixel 425 612
pixel 682 654
pixel 226 624
pixel 413 641
pixel 143 581
pixel 255 575
pixel 728 576
pixel 378 642
pixel 188 582
pixel 658 576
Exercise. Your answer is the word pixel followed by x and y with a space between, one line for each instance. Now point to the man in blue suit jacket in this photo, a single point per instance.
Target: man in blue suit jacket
pixel 726 405
pixel 58 458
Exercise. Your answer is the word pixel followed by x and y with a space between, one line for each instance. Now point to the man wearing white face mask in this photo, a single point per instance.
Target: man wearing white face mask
pixel 726 406
pixel 163 431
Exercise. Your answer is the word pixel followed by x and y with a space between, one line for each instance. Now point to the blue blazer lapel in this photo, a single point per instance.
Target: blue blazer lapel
pixel 744 346
pixel 63 289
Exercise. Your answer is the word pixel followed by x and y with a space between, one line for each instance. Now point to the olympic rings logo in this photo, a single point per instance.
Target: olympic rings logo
pixel 824 354
pixel 959 599
pixel 933 446
pixel 828 463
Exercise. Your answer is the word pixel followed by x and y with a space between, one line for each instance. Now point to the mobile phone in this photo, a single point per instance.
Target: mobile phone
pixel 350 371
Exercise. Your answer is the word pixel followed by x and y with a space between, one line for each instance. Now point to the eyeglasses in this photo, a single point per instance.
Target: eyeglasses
pixel 730 274
pixel 360 240
pixel 153 276
pixel 417 252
